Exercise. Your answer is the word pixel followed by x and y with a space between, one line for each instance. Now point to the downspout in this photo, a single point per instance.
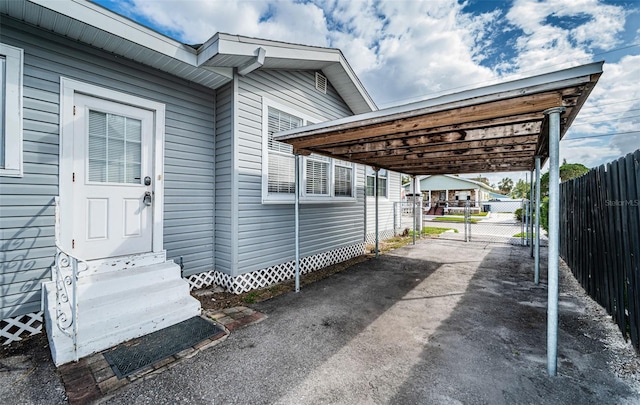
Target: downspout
pixel 554 238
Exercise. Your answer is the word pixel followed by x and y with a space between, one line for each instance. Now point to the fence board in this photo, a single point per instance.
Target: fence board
pixel 600 231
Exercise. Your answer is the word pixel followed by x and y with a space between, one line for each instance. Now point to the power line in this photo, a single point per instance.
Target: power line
pixel 616 102
pixel 601 135
pixel 611 120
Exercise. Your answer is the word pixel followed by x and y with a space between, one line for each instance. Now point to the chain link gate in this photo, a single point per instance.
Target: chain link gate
pixel 506 222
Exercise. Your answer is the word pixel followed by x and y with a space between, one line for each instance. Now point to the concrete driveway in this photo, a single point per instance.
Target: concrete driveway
pixel 441 322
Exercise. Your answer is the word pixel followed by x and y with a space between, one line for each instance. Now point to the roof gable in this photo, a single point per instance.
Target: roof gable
pixel 212 64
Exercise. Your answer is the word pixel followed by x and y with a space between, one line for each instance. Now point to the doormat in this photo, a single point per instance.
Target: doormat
pixel 134 355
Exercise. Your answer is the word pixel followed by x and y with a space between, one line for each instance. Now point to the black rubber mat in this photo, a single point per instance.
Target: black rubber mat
pixel 132 356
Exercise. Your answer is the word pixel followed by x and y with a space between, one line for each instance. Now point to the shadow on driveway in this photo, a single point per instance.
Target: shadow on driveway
pixel 439 322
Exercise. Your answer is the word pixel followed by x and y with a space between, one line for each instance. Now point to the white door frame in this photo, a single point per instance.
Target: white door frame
pixel 68 89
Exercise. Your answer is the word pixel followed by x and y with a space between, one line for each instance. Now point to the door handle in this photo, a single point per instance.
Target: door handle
pixel 147 199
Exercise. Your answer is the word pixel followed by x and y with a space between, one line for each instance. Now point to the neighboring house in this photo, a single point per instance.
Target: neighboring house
pixel 153 163
pixel 444 192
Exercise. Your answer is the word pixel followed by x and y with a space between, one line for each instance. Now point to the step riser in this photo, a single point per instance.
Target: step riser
pixel 93 315
pixel 151 293
pixel 124 280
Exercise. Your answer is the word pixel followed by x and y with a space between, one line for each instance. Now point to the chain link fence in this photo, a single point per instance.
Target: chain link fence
pixel 506 222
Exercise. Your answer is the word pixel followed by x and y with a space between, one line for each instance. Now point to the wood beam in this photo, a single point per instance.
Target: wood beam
pixel 483 124
pixel 502 132
pixel 444 157
pixel 486 111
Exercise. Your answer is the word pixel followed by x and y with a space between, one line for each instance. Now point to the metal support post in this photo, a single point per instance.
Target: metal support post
pixel 297 220
pixel 553 115
pixel 415 221
pixel 377 226
pixel 530 231
pixel 537 227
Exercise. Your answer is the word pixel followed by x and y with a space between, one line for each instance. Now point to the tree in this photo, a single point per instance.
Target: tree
pixel 521 190
pixel 568 171
pixel 505 185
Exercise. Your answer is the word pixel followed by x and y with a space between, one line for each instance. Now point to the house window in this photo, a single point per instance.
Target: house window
pixel 343 176
pixel 371 181
pixel 322 179
pixel 10 110
pixel 281 177
pixel 317 176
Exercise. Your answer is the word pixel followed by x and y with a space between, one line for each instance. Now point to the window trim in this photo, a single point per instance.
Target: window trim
pixel 13 160
pixel 289 198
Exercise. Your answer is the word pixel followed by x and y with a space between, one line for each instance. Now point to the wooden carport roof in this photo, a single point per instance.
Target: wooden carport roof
pixel 497 128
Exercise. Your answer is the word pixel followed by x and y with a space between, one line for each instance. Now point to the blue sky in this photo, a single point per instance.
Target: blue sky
pixel 405 51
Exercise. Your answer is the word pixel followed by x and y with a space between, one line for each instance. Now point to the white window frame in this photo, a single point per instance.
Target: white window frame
pixel 12 111
pixel 289 198
pixel 386 177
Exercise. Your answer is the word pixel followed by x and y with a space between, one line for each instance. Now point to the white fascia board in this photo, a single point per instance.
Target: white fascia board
pixel 356 82
pixel 530 85
pixel 120 26
pixel 276 51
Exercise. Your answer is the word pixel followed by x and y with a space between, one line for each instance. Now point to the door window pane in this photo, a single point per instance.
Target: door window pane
pixel 115 150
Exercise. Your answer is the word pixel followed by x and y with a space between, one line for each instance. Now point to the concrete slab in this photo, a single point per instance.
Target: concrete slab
pixel 441 322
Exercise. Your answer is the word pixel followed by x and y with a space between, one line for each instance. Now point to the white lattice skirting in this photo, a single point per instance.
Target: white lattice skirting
pixel 386 234
pixel 274 274
pixel 13 329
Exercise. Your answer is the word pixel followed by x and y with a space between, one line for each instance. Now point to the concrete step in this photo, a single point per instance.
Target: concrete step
pixel 118 306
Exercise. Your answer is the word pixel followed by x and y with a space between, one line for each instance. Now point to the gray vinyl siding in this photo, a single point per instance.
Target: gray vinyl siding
pixel 223 180
pixel 26 204
pixel 266 231
pixel 385 206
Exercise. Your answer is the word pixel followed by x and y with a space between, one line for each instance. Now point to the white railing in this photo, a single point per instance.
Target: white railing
pixel 66 269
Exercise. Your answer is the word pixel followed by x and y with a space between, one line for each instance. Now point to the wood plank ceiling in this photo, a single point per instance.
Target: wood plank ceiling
pixel 494 133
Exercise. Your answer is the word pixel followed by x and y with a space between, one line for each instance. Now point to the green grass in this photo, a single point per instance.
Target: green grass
pixel 453 219
pixel 433 230
pixel 479 214
pixel 251 297
pixel 522 235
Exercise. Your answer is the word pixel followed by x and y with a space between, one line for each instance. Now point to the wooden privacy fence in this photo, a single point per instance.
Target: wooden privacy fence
pixel 600 238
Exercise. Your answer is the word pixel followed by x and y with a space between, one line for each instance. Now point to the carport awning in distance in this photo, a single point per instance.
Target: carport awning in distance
pixel 496 128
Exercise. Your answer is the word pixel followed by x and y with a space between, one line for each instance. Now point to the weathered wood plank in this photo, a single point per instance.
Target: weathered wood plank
pixel 499 109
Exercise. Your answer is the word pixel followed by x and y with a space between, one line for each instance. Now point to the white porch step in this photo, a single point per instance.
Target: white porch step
pixel 118 306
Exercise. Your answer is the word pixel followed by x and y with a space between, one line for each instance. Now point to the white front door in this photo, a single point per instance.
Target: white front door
pixel 113 179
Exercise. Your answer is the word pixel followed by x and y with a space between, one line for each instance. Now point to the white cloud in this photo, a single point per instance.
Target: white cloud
pixel 408 50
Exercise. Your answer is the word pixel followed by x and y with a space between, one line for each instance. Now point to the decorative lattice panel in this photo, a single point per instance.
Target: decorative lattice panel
pixel 274 274
pixel 386 234
pixel 14 329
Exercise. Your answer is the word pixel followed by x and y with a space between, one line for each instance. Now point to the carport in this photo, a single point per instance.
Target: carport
pixel 511 126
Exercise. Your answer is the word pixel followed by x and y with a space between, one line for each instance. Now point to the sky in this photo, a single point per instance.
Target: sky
pixel 410 50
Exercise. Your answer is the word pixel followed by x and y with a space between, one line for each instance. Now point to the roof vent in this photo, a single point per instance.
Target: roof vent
pixel 321 83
